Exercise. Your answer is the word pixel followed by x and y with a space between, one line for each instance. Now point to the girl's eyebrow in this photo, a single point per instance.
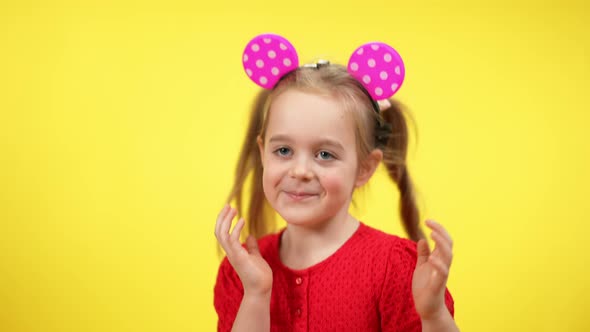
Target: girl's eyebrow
pixel 281 138
pixel 321 142
pixel 330 142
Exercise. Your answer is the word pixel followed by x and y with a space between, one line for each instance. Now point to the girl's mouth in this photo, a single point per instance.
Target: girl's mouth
pixel 297 197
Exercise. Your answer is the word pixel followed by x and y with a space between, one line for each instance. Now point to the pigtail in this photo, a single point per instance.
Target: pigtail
pixel 395 153
pixel 260 219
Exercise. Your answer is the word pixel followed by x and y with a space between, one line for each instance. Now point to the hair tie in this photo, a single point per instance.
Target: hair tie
pixel 384 104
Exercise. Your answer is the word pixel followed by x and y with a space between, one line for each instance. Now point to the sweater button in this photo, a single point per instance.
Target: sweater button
pixel 298 311
pixel 298 281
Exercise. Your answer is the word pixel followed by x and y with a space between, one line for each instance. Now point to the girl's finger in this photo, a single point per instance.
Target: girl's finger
pixel 223 211
pixel 423 251
pixel 224 238
pixel 234 240
pixel 226 224
pixel 220 217
pixel 441 272
pixel 442 248
pixel 252 246
pixel 235 234
pixel 438 227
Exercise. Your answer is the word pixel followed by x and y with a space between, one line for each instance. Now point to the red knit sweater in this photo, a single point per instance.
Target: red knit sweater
pixel 366 285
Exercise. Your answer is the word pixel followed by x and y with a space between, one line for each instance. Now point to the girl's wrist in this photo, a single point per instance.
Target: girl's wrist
pixel 439 321
pixel 257 296
pixel 438 314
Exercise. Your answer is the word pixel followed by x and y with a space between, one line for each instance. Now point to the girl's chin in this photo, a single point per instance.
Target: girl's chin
pixel 300 219
pixel 305 219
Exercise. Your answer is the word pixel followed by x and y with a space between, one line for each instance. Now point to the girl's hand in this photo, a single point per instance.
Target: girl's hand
pixel 253 270
pixel 431 273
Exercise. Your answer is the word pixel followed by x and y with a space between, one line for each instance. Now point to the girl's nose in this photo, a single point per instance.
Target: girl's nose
pixel 301 170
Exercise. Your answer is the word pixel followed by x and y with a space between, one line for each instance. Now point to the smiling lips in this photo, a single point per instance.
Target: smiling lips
pixel 299 196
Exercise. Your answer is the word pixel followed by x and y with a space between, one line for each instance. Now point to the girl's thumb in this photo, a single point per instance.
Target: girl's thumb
pixel 423 252
pixel 252 246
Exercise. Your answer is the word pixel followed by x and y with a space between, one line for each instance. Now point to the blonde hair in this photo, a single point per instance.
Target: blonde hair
pixel 335 81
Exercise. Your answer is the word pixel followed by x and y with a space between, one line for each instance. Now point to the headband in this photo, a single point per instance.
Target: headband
pixel 377 66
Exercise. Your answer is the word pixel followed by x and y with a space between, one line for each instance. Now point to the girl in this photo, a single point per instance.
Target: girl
pixel 316 136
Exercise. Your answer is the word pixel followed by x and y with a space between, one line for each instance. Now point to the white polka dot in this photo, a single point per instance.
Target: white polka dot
pixel 259 63
pixel 249 72
pixel 255 47
pixel 387 57
pixel 283 46
pixel 274 71
pixel 371 63
pixel 245 57
pixel 378 91
pixel 266 40
pixel 272 54
pixel 394 86
pixel 360 51
pixel 354 66
pixel 397 70
pixel 367 79
pixel 287 62
pixel 263 80
pixel 375 47
pixel 383 75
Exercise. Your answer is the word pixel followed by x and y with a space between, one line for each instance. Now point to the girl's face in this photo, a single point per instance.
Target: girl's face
pixel 309 158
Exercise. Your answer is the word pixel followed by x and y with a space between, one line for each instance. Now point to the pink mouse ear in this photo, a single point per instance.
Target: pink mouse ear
pixel 379 68
pixel 267 58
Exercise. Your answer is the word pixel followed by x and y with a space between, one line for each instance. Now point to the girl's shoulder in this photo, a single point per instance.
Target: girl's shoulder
pixel 267 244
pixel 386 251
pixel 384 243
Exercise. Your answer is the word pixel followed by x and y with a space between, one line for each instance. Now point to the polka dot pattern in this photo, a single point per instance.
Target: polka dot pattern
pixel 379 68
pixel 267 58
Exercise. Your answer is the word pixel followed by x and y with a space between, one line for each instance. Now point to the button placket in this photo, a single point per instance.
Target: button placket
pixel 300 289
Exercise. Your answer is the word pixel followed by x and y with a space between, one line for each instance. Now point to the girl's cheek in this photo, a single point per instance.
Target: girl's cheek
pixel 340 179
pixel 273 171
pixel 332 183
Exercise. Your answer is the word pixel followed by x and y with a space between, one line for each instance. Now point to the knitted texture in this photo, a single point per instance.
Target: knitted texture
pixel 366 285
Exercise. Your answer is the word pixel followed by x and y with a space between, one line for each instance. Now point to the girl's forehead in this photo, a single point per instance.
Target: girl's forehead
pixel 295 104
pixel 308 116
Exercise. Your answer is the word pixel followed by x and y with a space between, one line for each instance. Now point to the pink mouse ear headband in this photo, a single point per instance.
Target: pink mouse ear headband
pixel 376 66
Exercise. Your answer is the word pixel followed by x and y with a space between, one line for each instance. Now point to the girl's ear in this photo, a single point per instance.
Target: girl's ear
pixel 368 167
pixel 260 148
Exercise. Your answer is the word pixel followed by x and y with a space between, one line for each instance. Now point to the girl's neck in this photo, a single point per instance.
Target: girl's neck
pixel 303 247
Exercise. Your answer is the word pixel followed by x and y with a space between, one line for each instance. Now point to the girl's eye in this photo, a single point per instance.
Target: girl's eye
pixel 283 151
pixel 325 155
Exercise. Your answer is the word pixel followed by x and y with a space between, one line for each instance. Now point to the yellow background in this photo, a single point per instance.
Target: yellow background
pixel 120 126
